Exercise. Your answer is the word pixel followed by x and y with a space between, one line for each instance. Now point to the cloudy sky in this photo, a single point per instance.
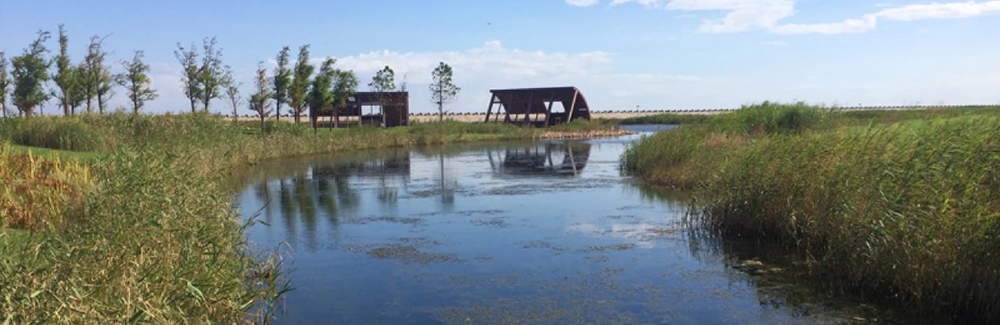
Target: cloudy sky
pixel 654 54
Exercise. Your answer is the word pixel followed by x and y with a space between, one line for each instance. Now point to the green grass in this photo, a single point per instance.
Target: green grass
pixel 893 205
pixel 50 153
pixel 666 119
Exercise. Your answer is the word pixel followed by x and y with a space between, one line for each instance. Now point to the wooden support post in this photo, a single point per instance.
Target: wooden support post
pixel 527 110
pixel 548 114
pixel 572 106
pixel 506 110
pixel 489 110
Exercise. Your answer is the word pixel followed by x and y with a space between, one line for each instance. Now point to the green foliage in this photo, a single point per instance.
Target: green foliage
pixel 66 77
pixel 344 86
pixel 294 129
pixel 383 81
pixel 282 80
pixel 136 82
pixel 667 119
pixel 54 133
pixel 321 96
pixel 30 72
pixel 188 58
pixel 210 74
pixel 442 89
pixel 299 89
pixel 96 79
pixel 770 118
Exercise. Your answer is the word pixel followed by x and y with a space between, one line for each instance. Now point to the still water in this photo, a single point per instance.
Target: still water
pixel 518 233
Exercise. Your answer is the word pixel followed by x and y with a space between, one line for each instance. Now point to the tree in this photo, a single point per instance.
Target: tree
pixel 210 73
pixel 259 99
pixel 383 82
pixel 66 76
pixel 321 93
pixel 136 82
pixel 95 77
pixel 232 88
pixel 345 85
pixel 442 89
pixel 30 72
pixel 188 58
pixel 300 83
pixel 282 80
pixel 4 84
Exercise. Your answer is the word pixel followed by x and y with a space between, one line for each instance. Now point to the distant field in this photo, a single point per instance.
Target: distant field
pixel 626 114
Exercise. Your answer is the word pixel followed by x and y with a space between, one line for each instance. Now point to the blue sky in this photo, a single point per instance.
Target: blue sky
pixel 655 54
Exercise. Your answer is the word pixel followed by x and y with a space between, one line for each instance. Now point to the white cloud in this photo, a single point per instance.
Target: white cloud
pixel 847 26
pixel 492 65
pixel 749 15
pixel 941 11
pixel 582 3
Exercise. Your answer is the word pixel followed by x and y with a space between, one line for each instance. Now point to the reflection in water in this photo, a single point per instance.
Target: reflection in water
pixel 434 237
pixel 559 159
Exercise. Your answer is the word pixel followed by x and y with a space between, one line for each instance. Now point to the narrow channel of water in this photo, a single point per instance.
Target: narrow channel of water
pixel 519 233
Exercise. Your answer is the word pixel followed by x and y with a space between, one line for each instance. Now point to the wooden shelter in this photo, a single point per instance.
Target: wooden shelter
pixel 387 109
pixel 534 106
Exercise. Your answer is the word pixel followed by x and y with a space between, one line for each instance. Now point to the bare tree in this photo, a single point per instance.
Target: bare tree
pixel 188 59
pixel 30 74
pixel 210 72
pixel 262 95
pixel 442 89
pixel 136 82
pixel 232 88
pixel 4 84
pixel 300 83
pixel 282 81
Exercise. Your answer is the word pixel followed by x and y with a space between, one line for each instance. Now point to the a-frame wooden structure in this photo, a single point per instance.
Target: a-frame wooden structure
pixel 534 106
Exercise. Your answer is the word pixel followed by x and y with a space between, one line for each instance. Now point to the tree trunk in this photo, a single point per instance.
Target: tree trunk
pixel 193 108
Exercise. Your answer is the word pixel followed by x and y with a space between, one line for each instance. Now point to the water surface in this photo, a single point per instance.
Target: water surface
pixel 519 233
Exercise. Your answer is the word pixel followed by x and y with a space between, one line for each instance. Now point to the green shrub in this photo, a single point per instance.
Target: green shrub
pixel 770 118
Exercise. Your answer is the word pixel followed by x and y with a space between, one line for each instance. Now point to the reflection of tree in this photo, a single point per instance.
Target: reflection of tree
pixel 288 208
pixel 448 187
pixel 546 159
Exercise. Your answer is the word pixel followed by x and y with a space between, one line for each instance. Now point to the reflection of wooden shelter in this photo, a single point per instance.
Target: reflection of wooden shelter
pixel 534 106
pixel 372 108
pixel 540 160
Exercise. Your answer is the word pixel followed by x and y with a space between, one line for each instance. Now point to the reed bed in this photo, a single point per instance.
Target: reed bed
pixel 905 211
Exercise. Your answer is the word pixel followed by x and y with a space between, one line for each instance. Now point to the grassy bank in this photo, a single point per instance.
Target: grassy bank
pixel 900 206
pixel 124 219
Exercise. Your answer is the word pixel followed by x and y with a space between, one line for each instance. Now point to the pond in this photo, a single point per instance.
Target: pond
pixel 513 233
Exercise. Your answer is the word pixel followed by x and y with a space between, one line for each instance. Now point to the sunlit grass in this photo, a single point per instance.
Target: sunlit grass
pixel 904 210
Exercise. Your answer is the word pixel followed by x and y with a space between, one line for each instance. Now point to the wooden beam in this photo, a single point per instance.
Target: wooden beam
pixel 548 115
pixel 572 106
pixel 489 110
pixel 527 110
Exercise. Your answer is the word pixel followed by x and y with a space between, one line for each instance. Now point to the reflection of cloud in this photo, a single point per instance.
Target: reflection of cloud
pixel 643 235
